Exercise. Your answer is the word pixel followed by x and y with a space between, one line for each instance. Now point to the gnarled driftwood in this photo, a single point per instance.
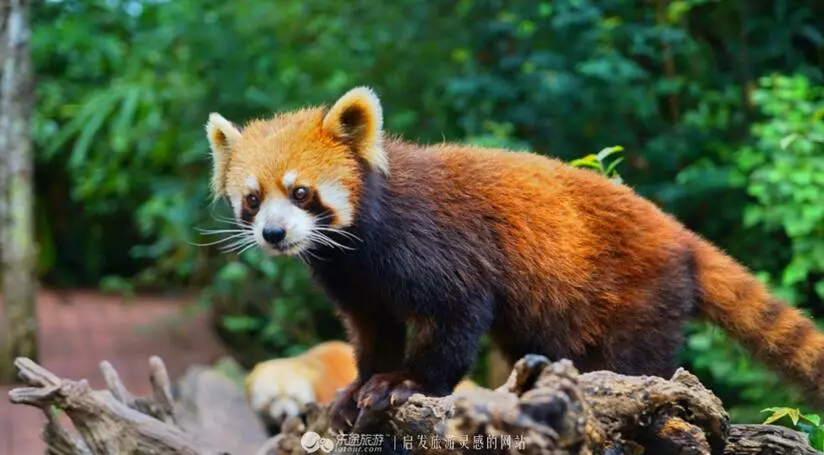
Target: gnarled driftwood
pixel 543 408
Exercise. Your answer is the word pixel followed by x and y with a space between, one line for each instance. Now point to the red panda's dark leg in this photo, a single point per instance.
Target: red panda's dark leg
pixel 379 343
pixel 378 338
pixel 440 351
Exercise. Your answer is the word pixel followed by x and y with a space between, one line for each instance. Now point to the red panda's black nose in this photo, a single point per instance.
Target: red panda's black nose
pixel 274 235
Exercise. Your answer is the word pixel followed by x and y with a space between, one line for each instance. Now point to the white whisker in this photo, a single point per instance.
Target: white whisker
pixel 239 236
pixel 236 248
pixel 339 231
pixel 329 242
pixel 238 244
pixel 219 241
pixel 222 231
pixel 232 220
pixel 233 248
pixel 309 252
pixel 246 248
pixel 320 239
pixel 324 216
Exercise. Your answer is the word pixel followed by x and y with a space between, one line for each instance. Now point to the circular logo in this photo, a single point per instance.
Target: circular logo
pixel 312 441
pixel 326 445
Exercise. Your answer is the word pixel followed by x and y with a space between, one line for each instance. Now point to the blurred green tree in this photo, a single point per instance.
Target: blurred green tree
pixel 717 105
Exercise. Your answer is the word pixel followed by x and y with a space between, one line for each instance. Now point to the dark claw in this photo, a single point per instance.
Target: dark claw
pixel 386 390
pixel 344 411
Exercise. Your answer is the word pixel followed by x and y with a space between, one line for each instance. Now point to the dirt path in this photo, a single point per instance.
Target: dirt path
pixel 78 329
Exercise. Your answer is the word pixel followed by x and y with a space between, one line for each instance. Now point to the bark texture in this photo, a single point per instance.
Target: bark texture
pixel 543 408
pixel 17 247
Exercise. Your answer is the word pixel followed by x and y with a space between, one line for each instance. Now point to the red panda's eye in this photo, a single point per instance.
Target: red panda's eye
pixel 253 201
pixel 300 193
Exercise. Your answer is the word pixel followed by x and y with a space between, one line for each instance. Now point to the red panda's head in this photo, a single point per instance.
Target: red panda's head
pixel 297 175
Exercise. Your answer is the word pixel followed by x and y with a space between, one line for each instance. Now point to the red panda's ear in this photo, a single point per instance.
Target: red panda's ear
pixel 356 119
pixel 222 135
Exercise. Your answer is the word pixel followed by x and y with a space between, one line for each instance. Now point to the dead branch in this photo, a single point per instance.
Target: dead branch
pixel 543 408
pixel 60 441
pixel 213 407
pixel 105 424
pixel 552 409
pixel 766 440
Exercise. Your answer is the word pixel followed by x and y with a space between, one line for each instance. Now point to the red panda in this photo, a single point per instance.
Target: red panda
pixel 451 241
pixel 280 388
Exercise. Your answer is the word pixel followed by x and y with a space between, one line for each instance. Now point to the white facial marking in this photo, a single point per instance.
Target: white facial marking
pixel 252 184
pixel 263 392
pixel 284 393
pixel 300 389
pixel 336 197
pixel 280 212
pixel 295 393
pixel 283 408
pixel 289 179
pixel 236 205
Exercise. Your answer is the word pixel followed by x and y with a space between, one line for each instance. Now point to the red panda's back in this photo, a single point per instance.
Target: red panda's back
pixel 585 257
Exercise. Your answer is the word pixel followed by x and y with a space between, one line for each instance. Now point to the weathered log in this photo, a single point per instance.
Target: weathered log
pixel 543 408
pixel 549 408
pixel 211 406
pixel 211 413
pixel 766 440
pixel 106 424
pixel 60 442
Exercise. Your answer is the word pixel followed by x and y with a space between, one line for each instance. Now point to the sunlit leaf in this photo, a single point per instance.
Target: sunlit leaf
pixel 815 419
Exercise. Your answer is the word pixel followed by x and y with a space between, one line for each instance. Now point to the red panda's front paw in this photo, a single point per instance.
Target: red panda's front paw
pixel 344 410
pixel 388 389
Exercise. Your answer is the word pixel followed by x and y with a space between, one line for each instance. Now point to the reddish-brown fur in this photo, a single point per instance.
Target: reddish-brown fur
pixel 325 368
pixel 552 259
pixel 282 387
pixel 782 336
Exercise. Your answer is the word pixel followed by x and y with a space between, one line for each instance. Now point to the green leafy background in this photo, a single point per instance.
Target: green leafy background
pixel 718 106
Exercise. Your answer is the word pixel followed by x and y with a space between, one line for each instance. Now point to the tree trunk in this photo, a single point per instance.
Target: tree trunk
pixel 17 249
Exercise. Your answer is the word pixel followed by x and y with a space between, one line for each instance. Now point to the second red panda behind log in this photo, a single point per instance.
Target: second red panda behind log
pixel 452 241
pixel 281 388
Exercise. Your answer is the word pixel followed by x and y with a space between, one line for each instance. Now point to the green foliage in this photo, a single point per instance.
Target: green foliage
pixel 810 424
pixel 725 367
pixel 599 162
pixel 781 166
pixel 784 171
pixel 268 304
pixel 119 129
pixel 718 104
